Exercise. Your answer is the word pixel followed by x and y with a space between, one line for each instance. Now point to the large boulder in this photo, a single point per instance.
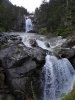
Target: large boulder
pixel 69 43
pixel 67 49
pixel 61 52
pixel 22 66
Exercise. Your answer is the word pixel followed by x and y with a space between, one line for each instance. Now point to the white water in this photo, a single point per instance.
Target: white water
pixel 42 41
pixel 54 42
pixel 58 78
pixel 58 74
pixel 29 25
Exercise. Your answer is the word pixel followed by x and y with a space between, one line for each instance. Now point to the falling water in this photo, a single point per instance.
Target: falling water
pixel 29 26
pixel 58 77
pixel 58 74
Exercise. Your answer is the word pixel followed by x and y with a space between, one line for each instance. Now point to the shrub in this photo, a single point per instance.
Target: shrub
pixel 64 31
pixel 43 30
pixel 2 29
pixel 70 96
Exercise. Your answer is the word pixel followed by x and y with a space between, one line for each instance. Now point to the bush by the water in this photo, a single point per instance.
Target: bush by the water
pixel 64 31
pixel 2 29
pixel 43 30
pixel 70 96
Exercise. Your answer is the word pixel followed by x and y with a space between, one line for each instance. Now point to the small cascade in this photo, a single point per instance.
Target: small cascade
pixel 58 78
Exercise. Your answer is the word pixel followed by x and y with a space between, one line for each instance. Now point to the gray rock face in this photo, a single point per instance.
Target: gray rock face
pixel 64 52
pixel 21 65
pixel 70 42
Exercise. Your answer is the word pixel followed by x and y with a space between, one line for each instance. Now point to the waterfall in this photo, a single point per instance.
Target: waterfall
pixel 29 26
pixel 58 75
pixel 58 78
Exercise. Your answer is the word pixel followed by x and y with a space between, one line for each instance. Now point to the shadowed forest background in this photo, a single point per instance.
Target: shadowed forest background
pixel 55 16
pixel 11 17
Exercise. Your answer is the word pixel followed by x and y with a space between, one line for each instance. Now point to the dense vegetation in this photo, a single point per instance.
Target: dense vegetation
pixel 56 16
pixel 70 96
pixel 11 17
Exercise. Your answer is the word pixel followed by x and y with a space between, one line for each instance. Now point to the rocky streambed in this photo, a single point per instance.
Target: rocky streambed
pixel 22 57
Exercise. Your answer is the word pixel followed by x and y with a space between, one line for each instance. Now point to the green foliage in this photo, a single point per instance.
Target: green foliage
pixel 43 30
pixel 70 96
pixel 11 17
pixel 63 31
pixel 57 16
pixel 2 29
pixel 74 85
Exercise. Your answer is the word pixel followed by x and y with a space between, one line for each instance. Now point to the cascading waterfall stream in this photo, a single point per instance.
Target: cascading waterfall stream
pixel 58 75
pixel 58 78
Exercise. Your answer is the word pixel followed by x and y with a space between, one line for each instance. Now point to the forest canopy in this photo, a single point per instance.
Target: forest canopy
pixel 56 16
pixel 11 17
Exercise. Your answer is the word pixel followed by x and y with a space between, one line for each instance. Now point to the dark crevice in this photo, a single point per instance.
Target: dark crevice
pixel 72 61
pixel 0 63
pixel 20 62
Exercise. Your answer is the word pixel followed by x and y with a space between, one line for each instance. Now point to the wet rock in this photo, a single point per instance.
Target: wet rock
pixel 6 97
pixel 20 65
pixel 64 52
pixel 33 43
pixel 69 43
pixel 67 49
pixel 47 45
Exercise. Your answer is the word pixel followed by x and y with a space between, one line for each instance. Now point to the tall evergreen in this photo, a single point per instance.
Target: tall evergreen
pixel 56 15
pixel 11 17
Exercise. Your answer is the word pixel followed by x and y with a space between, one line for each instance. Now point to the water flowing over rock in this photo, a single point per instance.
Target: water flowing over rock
pixel 58 78
pixel 25 68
